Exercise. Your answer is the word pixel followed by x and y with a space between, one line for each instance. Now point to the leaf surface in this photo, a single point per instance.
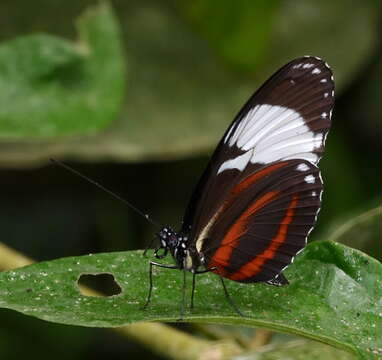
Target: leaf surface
pixel 334 296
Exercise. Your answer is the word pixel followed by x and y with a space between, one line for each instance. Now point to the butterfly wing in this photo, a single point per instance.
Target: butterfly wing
pixel 287 119
pixel 264 222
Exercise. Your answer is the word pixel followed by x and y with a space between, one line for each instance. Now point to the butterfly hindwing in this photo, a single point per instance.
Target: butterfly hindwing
pixel 264 222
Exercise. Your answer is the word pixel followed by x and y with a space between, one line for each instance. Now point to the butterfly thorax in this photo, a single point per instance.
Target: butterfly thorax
pixel 184 253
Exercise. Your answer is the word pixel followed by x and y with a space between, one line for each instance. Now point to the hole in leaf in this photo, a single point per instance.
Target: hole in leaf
pixel 104 284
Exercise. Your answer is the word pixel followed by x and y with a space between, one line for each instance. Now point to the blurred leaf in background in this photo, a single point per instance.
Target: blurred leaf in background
pixel 181 95
pixel 51 87
pixel 297 350
pixel 239 31
pixel 361 232
pixel 253 35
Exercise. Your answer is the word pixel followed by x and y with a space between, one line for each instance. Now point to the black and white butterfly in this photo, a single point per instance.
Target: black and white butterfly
pixel 258 199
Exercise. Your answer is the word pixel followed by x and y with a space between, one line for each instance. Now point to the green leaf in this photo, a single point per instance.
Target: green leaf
pixel 50 86
pixel 334 296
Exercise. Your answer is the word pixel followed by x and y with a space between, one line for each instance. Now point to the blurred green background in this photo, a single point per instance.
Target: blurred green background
pixel 142 113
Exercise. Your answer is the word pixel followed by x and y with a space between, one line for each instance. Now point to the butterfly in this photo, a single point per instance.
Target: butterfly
pixel 258 199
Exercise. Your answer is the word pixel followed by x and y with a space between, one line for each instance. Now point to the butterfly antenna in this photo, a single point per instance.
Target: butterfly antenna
pixel 116 196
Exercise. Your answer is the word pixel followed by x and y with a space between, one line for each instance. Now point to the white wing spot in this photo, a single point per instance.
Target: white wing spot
pixel 307 66
pixel 270 133
pixel 314 193
pixel 302 167
pixel 310 179
pixel 239 162
pixel 332 93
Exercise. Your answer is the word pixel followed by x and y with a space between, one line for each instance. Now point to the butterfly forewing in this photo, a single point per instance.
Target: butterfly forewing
pixel 252 204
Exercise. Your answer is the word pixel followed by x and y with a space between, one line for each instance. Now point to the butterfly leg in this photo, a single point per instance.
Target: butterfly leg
pixel 194 273
pixel 153 263
pixel 227 295
pixel 183 296
pixel 192 291
pixel 230 300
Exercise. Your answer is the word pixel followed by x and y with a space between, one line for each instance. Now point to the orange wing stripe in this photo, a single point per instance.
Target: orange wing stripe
pixel 253 267
pixel 243 185
pixel 256 176
pixel 223 253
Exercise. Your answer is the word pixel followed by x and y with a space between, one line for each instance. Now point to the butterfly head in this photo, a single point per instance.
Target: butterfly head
pixel 173 242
